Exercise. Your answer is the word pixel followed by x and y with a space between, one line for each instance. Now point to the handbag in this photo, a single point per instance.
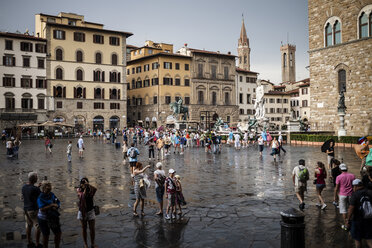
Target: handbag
pixel 51 145
pixel 96 210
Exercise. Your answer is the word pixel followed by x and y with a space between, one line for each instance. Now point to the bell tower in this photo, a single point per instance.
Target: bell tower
pixel 288 63
pixel 243 49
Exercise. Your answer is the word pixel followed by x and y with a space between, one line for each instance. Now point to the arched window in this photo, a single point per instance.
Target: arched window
pixel 58 91
pixel 79 75
pixel 114 59
pixel 79 56
pixel 113 94
pixel 341 81
pixel 97 93
pixel 285 60
pixel 337 33
pixel 98 58
pixel 214 98
pixel 79 92
pixel 59 73
pixel 245 59
pixel 328 34
pixel 9 100
pixel 227 98
pixel 200 97
pixel 363 25
pixel 291 59
pixel 59 54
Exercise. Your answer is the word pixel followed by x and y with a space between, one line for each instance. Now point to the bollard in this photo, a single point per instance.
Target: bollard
pixel 292 229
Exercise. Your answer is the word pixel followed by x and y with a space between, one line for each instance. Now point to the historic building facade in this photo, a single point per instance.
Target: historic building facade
pixel 340 50
pixel 85 71
pixel 213 91
pixel 156 77
pixel 23 93
pixel 246 84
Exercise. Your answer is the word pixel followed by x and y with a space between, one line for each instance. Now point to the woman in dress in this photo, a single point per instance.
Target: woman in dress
pixel 139 188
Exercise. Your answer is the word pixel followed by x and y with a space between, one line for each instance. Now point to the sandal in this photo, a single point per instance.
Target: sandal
pixel 135 214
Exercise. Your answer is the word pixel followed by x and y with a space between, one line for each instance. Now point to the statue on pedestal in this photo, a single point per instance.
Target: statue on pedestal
pixel 341 102
pixel 259 104
pixel 178 108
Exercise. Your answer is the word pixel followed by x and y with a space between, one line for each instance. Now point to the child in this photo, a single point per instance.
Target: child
pixel 180 200
pixel 69 148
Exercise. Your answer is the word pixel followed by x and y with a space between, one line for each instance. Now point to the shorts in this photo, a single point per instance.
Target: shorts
pixel 300 189
pixel 45 229
pixel 159 193
pixel 133 164
pixel 329 158
pixel 171 199
pixel 166 146
pixel 81 149
pixel 261 147
pixel 88 216
pixel 361 229
pixel 31 219
pixel 237 143
pixel 320 186
pixel 344 203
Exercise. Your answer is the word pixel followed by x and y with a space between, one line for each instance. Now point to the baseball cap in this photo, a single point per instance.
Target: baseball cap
pixel 171 171
pixel 357 182
pixel 343 167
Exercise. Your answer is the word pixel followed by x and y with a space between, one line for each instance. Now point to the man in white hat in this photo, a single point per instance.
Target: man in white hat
pixel 170 187
pixel 343 191
pixel 359 220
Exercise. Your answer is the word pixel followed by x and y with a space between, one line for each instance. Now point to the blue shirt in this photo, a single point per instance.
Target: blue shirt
pixel 177 140
pixel 44 200
pixel 133 159
pixel 231 135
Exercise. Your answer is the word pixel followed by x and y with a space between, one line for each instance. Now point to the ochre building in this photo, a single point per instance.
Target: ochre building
pixel 156 77
pixel 85 71
pixel 340 49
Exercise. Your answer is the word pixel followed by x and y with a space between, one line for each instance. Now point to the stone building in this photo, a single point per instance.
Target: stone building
pixel 156 77
pixel 246 84
pixel 85 71
pixel 213 91
pixel 23 93
pixel 340 51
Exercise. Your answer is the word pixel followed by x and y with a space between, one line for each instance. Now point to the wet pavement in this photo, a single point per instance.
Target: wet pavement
pixel 234 198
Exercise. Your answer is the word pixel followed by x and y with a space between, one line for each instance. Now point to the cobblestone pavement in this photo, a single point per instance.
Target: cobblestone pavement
pixel 234 198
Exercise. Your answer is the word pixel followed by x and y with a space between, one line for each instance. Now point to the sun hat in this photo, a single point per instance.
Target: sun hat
pixel 357 182
pixel 158 165
pixel 343 167
pixel 171 171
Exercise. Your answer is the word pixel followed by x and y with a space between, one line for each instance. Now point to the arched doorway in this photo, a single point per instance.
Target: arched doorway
pixel 114 122
pixel 98 123
pixel 58 119
pixel 147 122
pixel 79 123
pixel 154 120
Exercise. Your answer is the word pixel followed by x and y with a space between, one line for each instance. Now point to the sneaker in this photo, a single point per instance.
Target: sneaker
pixel 324 206
pixel 167 217
pixel 173 216
pixel 335 204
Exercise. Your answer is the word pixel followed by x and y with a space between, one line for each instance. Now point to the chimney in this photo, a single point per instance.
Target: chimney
pixel 229 53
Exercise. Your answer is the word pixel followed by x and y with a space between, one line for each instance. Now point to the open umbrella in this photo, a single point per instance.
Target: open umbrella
pixel 327 144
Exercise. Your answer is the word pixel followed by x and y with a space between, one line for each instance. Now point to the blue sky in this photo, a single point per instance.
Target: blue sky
pixel 205 24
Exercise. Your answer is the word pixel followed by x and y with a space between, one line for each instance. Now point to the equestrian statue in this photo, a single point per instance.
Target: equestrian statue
pixel 178 108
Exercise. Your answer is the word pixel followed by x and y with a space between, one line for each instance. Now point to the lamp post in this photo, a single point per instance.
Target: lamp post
pixel 341 109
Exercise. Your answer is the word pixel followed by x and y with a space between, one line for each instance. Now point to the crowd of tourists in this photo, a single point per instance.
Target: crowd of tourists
pixel 352 195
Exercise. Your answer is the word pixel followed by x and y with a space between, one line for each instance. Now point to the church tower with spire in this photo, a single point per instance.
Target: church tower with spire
pixel 243 49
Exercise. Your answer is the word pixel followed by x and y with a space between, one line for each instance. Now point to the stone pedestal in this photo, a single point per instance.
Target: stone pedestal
pixel 342 131
pixel 293 126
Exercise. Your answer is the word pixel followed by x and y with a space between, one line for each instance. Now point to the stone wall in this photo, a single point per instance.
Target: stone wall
pixel 353 55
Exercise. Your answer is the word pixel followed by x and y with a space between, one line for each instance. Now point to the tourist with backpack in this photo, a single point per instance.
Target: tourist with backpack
pixel 300 176
pixel 359 217
pixel 343 191
pixel 159 177
pixel 132 155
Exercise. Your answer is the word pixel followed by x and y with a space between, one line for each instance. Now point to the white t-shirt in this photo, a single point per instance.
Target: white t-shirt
pixel 81 143
pixel 159 173
pixel 237 137
pixel 280 139
pixel 246 136
pixel 251 135
pixel 260 141
pixel 274 145
pixel 296 172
